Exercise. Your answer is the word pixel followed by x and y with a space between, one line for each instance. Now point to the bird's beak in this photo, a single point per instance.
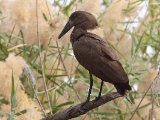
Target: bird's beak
pixel 66 28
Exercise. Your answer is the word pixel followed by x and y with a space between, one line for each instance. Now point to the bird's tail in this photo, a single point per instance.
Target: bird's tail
pixel 121 88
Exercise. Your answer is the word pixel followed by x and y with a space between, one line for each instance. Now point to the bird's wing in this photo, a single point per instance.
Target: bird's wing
pixel 95 55
pixel 106 50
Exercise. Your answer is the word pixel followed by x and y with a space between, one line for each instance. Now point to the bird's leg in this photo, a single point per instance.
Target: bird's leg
pixel 90 87
pixel 100 91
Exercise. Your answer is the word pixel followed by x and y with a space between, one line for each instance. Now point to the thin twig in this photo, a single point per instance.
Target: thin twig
pixel 17 46
pixel 69 77
pixel 140 101
pixel 143 97
pixel 48 9
pixel 10 37
pixel 82 108
pixel 40 57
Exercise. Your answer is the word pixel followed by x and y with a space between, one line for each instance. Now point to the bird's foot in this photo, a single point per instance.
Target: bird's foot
pixel 88 99
pixel 98 97
pixel 84 103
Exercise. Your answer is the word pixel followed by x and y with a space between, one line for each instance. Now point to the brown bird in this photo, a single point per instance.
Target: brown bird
pixel 95 54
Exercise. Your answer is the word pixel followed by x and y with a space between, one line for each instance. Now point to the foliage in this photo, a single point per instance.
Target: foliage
pixel 65 89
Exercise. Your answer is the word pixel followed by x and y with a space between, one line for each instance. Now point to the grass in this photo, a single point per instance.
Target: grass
pixel 13 100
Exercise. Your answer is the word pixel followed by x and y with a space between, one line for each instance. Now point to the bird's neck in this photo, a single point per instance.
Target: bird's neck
pixel 77 33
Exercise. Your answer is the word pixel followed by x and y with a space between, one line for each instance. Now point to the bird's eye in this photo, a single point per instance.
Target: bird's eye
pixel 74 15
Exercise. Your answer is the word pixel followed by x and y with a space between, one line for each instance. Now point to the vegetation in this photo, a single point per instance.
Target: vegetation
pixel 58 81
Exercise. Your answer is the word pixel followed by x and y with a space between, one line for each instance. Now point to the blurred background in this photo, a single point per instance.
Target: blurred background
pixel 39 74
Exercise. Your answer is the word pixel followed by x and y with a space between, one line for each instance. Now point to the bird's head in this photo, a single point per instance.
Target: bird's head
pixel 79 19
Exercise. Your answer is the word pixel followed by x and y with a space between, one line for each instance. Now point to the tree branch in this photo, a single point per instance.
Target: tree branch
pixel 82 108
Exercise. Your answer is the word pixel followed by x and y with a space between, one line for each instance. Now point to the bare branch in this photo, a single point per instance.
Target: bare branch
pixel 82 108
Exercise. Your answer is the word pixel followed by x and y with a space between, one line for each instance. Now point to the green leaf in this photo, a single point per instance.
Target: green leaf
pixel 21 112
pixel 13 100
pixel 45 17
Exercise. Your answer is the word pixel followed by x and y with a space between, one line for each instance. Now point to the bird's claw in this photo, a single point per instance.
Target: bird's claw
pixel 98 97
pixel 85 102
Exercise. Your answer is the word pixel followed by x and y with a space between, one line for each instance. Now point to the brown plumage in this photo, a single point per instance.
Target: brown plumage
pixel 95 54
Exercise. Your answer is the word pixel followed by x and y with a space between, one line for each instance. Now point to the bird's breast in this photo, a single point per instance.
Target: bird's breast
pixel 84 52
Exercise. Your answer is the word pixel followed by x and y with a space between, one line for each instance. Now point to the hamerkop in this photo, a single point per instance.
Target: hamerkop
pixel 95 54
